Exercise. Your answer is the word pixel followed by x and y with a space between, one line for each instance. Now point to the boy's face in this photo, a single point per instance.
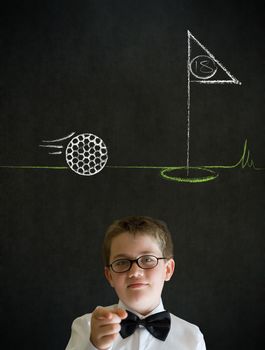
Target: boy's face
pixel 139 289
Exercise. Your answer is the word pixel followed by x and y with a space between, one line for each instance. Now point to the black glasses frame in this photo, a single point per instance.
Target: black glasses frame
pixel 131 261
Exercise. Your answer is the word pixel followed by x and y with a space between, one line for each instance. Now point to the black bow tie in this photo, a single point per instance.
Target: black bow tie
pixel 158 324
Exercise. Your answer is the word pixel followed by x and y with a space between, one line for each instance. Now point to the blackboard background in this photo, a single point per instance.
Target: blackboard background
pixel 118 69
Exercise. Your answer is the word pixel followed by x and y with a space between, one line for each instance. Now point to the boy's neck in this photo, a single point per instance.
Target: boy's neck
pixel 158 308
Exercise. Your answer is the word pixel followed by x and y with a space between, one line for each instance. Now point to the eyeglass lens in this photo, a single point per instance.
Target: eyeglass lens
pixel 145 262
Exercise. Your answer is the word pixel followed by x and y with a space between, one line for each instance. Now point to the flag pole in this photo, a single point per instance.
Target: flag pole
pixel 188 107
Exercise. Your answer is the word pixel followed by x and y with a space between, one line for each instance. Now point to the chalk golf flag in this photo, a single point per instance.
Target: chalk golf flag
pixel 203 68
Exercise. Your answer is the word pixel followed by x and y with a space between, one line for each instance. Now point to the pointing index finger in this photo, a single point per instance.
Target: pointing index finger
pixel 120 312
pixel 102 313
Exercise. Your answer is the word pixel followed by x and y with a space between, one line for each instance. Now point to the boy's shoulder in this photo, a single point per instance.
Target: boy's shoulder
pixel 175 320
pixel 184 330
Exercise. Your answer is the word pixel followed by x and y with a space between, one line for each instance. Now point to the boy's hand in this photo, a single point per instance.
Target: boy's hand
pixel 105 326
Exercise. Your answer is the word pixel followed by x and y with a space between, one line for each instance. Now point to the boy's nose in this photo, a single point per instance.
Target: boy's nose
pixel 135 270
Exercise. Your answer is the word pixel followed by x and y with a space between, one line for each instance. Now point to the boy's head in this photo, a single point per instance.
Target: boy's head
pixel 139 225
pixel 138 254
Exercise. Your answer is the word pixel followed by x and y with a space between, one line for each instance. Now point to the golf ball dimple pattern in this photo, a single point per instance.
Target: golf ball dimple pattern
pixel 86 154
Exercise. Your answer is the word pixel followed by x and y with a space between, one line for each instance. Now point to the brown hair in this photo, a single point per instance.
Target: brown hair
pixel 142 225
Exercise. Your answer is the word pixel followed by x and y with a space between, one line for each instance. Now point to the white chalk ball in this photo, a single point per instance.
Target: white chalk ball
pixel 86 154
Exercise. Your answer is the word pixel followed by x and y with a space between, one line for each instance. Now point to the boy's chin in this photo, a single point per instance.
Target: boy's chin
pixel 140 304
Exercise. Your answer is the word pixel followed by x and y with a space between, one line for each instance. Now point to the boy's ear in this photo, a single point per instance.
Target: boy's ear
pixel 108 275
pixel 170 266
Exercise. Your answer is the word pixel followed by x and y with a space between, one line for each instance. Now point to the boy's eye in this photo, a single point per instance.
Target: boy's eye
pixel 121 263
pixel 148 260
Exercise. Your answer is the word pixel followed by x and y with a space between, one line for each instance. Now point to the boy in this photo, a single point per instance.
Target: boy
pixel 138 254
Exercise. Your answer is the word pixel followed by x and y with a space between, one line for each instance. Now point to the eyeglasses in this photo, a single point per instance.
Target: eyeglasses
pixel 144 262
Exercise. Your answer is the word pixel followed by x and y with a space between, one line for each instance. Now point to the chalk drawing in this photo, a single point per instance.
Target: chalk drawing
pixel 167 172
pixel 201 69
pixel 205 66
pixel 50 146
pixel 61 139
pixel 245 161
pixel 86 154
pixel 56 146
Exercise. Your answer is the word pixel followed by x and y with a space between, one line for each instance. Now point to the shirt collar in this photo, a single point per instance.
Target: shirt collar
pixel 159 308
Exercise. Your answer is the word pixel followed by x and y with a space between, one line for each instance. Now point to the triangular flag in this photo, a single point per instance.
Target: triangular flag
pixel 203 67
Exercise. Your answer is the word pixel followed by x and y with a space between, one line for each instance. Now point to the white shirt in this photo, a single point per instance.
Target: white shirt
pixel 182 335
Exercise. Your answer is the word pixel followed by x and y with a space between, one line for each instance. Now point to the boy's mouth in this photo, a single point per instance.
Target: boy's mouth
pixel 137 285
